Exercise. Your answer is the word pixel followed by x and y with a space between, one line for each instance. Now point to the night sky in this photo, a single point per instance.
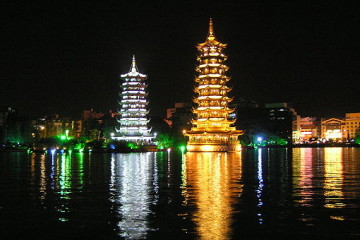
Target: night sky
pixel 67 56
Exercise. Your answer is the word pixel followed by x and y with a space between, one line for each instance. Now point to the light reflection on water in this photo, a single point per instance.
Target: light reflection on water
pixel 303 175
pixel 333 178
pixel 259 190
pixel 210 183
pixel 319 177
pixel 306 191
pixel 131 181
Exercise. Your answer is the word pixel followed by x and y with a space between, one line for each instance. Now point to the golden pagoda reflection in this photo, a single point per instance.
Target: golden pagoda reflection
pixel 211 182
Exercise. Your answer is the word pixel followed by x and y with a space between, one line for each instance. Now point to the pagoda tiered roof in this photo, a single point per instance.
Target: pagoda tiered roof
pixel 212 128
pixel 133 119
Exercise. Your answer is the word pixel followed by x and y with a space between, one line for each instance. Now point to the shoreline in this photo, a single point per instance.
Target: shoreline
pixel 317 145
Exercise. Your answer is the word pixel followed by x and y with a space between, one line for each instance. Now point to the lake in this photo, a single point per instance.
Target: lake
pixel 302 193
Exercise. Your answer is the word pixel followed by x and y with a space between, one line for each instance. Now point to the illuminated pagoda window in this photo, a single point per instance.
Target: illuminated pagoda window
pixel 134 118
pixel 212 128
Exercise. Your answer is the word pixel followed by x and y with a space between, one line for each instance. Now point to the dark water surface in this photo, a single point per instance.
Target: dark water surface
pixel 302 193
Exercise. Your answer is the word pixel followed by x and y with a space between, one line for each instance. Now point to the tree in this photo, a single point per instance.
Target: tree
pixel 164 140
pixel 357 136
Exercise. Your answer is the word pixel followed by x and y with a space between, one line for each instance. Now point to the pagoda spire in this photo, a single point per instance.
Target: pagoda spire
pixel 133 65
pixel 211 34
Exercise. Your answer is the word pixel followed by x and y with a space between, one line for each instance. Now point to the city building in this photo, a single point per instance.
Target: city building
pixel 133 121
pixel 308 130
pixel 352 125
pixel 332 129
pixel 14 129
pixel 250 118
pixel 54 125
pixel 90 125
pixel 179 116
pixel 212 128
pixel 97 125
pixel 282 120
pixel 91 114
pixel 5 111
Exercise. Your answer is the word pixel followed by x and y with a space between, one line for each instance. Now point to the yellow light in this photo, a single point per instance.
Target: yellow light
pixel 211 174
pixel 333 134
pixel 207 148
pixel 212 109
pixel 190 148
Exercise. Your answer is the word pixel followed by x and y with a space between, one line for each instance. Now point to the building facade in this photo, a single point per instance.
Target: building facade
pixel 308 129
pixel 332 129
pixel 352 125
pixel 314 129
pixel 54 125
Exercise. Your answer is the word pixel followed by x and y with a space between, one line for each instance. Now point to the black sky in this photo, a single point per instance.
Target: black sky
pixel 66 56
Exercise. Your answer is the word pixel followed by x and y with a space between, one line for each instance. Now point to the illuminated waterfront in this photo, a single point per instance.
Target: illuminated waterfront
pixel 300 192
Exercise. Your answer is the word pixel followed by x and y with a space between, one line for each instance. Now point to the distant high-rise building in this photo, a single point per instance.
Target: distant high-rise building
pixel 6 120
pixel 179 116
pixel 249 116
pixel 212 128
pixel 280 120
pixel 5 111
pixel 134 118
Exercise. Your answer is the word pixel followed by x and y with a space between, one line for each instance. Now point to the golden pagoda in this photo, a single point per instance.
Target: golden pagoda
pixel 212 129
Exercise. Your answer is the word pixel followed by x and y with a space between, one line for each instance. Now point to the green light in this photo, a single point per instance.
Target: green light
pixel 132 145
pixel 164 141
pixel 79 146
pixel 182 148
pixel 282 142
pixel 62 137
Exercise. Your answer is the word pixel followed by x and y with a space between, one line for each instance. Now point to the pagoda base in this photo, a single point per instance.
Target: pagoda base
pixel 213 147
